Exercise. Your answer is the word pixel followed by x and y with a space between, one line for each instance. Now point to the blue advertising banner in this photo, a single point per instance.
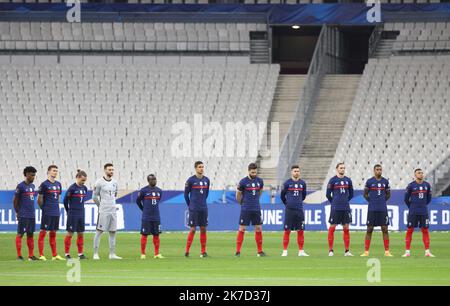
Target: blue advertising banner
pixel 330 13
pixel 225 216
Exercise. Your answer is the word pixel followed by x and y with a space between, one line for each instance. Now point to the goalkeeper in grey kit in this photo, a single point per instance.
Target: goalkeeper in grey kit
pixel 104 195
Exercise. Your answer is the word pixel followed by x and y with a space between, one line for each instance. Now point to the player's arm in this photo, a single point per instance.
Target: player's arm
pixel 304 191
pixel 66 200
pixel 207 189
pixel 366 191
pixel 329 193
pixel 261 189
pixel 239 190
pixel 16 200
pixel 283 194
pixel 350 190
pixel 429 194
pixel 139 201
pixel 239 196
pixel 407 198
pixel 41 196
pixel 388 192
pixel 96 194
pixel 187 191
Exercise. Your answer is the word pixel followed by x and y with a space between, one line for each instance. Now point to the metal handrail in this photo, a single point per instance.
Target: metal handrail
pixel 375 38
pixel 432 174
pixel 298 129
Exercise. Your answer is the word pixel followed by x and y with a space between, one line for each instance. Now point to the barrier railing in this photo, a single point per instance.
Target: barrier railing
pixel 299 128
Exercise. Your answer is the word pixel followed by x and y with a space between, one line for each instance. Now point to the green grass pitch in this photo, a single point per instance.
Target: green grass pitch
pixel 222 268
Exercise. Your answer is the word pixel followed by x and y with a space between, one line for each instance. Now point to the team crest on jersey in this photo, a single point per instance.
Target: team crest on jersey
pixel 342 182
pixel 257 184
pixel 253 184
pixel 379 185
pixel 54 187
pixel 420 188
pixel 153 194
pixel 201 183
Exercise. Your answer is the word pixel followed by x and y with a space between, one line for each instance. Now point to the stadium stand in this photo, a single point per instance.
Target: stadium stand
pixel 400 118
pixel 420 36
pixel 126 36
pixel 87 114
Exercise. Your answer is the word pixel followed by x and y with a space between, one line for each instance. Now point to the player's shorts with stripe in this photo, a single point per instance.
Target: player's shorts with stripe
pixel 26 225
pixel 340 217
pixel 198 218
pixel 150 228
pixel 107 222
pixel 50 223
pixel 377 218
pixel 75 223
pixel 294 219
pixel 250 218
pixel 418 221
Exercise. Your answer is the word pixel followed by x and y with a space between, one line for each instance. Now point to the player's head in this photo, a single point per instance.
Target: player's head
pixel 377 170
pixel 340 168
pixel 52 171
pixel 252 170
pixel 199 167
pixel 151 179
pixel 109 169
pixel 81 177
pixel 418 173
pixel 295 171
pixel 29 173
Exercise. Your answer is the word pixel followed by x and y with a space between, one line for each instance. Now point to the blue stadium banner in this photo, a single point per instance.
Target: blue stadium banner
pixel 225 216
pixel 329 13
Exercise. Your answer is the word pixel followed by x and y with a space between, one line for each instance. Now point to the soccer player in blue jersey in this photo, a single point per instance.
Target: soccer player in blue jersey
pixel 248 193
pixel 74 204
pixel 292 195
pixel 339 193
pixel 417 198
pixel 25 213
pixel 48 200
pixel 377 192
pixel 195 193
pixel 148 200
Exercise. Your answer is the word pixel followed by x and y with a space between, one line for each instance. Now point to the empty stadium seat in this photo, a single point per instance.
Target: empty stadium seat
pixel 89 114
pixel 127 36
pixel 400 118
pixel 420 36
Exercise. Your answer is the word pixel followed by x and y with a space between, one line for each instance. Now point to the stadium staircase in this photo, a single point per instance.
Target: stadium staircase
pixel 259 48
pixel 327 126
pixel 384 48
pixel 287 94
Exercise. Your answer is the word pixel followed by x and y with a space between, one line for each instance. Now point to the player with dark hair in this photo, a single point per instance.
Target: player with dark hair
pixel 104 195
pixel 377 192
pixel 195 193
pixel 248 193
pixel 339 193
pixel 74 204
pixel 25 212
pixel 148 200
pixel 292 195
pixel 417 198
pixel 48 199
